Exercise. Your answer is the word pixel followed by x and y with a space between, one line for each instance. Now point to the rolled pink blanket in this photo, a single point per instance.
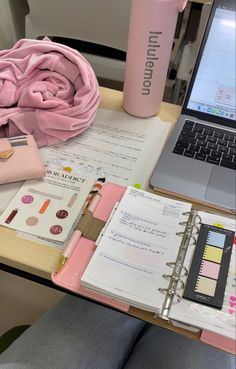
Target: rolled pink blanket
pixel 46 89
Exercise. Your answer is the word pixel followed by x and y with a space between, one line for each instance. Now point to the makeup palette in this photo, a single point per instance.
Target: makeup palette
pixel 48 207
pixel 210 265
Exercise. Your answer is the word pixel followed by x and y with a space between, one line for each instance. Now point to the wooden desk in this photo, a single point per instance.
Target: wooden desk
pixel 40 260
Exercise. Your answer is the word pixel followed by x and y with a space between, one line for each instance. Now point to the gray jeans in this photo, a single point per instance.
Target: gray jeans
pixel 78 334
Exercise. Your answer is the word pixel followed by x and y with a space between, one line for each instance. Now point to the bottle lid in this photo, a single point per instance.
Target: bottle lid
pixel 181 5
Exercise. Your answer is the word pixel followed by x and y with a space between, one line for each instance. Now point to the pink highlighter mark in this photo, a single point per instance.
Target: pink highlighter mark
pixel 232 304
pixel 232 301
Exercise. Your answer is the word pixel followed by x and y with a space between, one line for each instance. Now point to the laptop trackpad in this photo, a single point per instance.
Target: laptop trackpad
pixel 221 187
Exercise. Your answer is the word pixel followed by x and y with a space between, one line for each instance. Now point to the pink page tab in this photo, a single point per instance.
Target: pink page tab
pixel 219 341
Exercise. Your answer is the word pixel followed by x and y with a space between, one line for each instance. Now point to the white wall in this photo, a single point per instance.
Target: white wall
pixel 12 22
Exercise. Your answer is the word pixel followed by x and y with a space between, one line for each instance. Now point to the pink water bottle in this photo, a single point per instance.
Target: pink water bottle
pixel 151 34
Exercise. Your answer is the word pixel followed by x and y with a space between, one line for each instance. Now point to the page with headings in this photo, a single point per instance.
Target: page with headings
pixel 116 146
pixel 221 321
pixel 131 256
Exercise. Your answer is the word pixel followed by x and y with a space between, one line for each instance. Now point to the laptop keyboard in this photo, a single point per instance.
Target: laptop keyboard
pixel 212 145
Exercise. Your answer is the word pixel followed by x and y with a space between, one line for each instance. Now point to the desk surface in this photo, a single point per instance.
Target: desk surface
pixel 40 260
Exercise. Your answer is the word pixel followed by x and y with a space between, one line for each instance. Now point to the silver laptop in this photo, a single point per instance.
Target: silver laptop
pixel 199 160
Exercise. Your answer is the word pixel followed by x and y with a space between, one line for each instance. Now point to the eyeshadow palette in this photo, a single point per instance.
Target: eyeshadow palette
pixel 210 264
pixel 48 207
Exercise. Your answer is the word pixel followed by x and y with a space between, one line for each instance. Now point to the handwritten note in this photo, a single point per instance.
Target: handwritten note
pixel 132 254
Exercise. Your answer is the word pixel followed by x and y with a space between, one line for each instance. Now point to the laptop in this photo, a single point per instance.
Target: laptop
pixel 198 161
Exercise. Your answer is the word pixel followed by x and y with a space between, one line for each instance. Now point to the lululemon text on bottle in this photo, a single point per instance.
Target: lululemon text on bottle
pixel 151 57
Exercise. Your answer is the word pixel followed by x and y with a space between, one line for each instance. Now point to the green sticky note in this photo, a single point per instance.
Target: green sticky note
pixel 137 185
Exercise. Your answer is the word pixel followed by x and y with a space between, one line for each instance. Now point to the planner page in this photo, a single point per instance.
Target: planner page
pixel 131 255
pixel 221 321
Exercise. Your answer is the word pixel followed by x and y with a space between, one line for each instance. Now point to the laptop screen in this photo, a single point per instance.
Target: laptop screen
pixel 212 89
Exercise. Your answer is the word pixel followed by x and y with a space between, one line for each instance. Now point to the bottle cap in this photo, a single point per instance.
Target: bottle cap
pixel 181 5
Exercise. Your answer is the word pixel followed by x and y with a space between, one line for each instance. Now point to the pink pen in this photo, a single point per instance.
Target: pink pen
pixel 76 235
pixel 68 249
pixel 91 206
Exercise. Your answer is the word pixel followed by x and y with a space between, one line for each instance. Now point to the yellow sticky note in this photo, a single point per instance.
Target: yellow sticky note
pixel 218 225
pixel 212 253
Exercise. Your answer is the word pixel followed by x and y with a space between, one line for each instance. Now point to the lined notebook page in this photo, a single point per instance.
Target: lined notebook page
pixel 131 257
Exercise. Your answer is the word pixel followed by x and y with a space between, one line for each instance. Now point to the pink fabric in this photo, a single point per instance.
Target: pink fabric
pixel 46 89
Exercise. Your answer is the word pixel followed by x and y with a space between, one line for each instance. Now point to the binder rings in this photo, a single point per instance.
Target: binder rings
pixel 144 255
pixel 178 265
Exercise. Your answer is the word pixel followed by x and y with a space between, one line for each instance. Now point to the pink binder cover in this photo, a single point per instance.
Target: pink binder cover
pixel 69 277
pixel 219 341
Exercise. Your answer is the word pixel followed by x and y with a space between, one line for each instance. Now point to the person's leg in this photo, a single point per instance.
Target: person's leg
pixel 160 348
pixel 76 334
